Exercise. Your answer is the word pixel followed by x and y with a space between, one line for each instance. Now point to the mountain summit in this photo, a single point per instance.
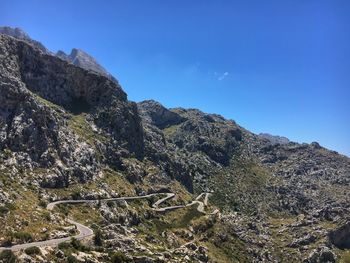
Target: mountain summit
pixel 77 57
pixel 82 59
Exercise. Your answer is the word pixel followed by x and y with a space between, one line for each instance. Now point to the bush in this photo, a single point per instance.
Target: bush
pixel 23 236
pixel 47 215
pixel 64 245
pixel 7 242
pixel 98 238
pixel 110 203
pixel 43 203
pixel 75 195
pixel 76 243
pixel 4 210
pixel 32 251
pixel 71 259
pixel 7 256
pixel 119 257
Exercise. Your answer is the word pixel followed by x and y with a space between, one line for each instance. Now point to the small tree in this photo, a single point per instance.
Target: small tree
pixel 119 257
pixel 8 256
pixel 76 243
pixel 32 251
pixel 98 238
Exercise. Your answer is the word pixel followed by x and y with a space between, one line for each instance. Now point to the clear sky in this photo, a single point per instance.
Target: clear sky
pixel 281 67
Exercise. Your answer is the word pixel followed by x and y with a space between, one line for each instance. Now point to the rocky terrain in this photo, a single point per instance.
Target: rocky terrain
pixel 81 59
pixel 68 131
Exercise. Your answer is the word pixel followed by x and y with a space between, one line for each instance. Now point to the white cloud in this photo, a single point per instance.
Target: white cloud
pixel 222 76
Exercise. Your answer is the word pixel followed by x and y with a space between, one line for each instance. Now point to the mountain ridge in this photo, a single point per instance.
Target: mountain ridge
pixel 70 133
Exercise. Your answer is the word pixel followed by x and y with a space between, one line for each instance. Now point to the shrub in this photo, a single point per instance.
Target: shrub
pixel 64 245
pixel 98 238
pixel 110 203
pixel 43 203
pixel 119 257
pixel 71 259
pixel 7 256
pixel 76 195
pixel 3 210
pixel 76 243
pixel 47 215
pixel 32 251
pixel 10 206
pixel 7 242
pixel 23 236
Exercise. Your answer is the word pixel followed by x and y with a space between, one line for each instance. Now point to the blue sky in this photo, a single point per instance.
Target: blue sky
pixel 281 67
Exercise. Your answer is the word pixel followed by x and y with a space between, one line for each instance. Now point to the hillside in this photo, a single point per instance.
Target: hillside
pixel 69 132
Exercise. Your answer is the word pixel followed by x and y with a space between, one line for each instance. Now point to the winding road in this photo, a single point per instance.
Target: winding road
pixel 85 232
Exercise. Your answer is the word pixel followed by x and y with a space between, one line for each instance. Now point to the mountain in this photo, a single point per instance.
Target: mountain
pixel 20 34
pixel 68 133
pixel 77 57
pixel 274 139
pixel 81 59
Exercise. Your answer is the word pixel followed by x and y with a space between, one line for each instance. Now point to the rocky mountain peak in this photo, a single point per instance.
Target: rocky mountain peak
pixel 82 59
pixel 22 35
pixel 158 115
pixel 14 32
pixel 77 57
pixel 274 139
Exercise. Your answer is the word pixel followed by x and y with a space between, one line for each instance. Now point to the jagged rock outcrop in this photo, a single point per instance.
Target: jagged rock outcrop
pixel 32 83
pixel 158 115
pixel 340 237
pixel 82 59
pixel 20 34
pixel 274 139
pixel 77 57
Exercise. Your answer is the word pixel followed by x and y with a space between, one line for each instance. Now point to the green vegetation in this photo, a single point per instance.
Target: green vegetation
pixel 26 209
pixel 23 236
pixel 98 238
pixel 71 247
pixel 242 187
pixel 31 251
pixel 119 257
pixel 4 209
pixel 116 181
pixel 64 246
pixel 72 259
pixel 345 256
pixel 81 127
pixel 168 131
pixel 49 104
pixel 8 256
pixel 180 218
pixel 76 243
pixel 42 203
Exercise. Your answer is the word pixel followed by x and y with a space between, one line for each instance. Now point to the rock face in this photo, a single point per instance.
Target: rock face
pixel 81 59
pixel 77 57
pixel 158 115
pixel 20 34
pixel 32 82
pixel 340 237
pixel 63 123
pixel 274 139
pixel 323 254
